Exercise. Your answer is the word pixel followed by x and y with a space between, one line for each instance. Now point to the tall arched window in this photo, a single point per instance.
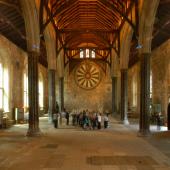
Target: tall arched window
pixel 134 91
pixel 151 84
pixel 26 103
pixel 41 91
pixel 81 53
pixel 1 86
pixel 87 53
pixel 26 99
pixel 4 88
pixel 93 55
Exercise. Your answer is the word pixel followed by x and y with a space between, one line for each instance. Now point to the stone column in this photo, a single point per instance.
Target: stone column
pixel 145 94
pixel 51 93
pixel 61 93
pixel 114 82
pixel 33 129
pixel 124 98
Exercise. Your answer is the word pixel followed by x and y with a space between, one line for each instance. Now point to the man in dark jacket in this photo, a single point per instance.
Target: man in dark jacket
pixel 67 116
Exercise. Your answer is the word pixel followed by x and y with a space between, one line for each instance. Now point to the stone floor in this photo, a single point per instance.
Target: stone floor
pixel 71 148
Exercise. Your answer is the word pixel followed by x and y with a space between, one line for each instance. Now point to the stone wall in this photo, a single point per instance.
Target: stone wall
pixel 44 72
pixel 76 97
pixel 15 61
pixel 134 89
pixel 161 75
pixel 160 71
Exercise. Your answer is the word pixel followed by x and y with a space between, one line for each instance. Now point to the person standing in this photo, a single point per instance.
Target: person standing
pixel 99 120
pixel 106 120
pixel 57 107
pixel 55 120
pixel 168 116
pixel 67 116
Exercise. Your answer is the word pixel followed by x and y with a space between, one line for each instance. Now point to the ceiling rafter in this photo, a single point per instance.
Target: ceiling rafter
pixel 63 7
pixel 11 5
pixel 95 22
pixel 111 6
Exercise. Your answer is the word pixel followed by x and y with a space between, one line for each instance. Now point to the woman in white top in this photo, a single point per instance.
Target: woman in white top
pixel 99 120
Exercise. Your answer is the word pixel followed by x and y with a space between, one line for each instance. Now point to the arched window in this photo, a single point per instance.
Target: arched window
pixel 87 53
pixel 151 84
pixel 4 88
pixel 41 91
pixel 93 55
pixel 134 91
pixel 26 103
pixel 81 54
pixel 1 86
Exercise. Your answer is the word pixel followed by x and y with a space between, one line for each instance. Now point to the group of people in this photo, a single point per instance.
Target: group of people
pixel 59 116
pixel 84 119
pixel 89 120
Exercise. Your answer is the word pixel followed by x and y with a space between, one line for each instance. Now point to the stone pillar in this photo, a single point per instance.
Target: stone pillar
pixel 114 82
pixel 51 93
pixel 145 94
pixel 124 97
pixel 61 93
pixel 33 129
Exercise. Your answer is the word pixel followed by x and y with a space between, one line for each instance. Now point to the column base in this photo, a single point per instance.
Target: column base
pixel 144 133
pixel 50 120
pixel 34 133
pixel 126 122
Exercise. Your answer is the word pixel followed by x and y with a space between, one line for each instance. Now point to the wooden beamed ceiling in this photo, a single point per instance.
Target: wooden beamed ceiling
pixel 89 23
pixel 79 24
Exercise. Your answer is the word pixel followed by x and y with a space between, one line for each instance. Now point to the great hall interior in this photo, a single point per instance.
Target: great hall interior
pixel 105 56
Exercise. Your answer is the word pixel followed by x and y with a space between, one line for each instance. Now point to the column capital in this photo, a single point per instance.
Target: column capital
pixel 148 54
pixel 33 53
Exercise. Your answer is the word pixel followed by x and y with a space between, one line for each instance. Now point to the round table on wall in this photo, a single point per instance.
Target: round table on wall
pixel 87 75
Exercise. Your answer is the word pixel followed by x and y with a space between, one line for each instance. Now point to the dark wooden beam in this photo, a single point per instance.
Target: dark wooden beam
pixel 86 30
pixel 14 6
pixel 65 6
pixel 5 20
pixel 124 15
